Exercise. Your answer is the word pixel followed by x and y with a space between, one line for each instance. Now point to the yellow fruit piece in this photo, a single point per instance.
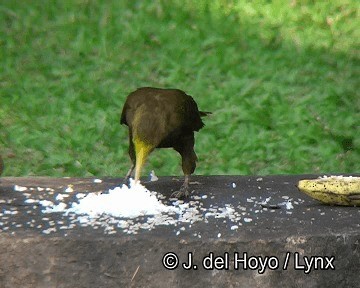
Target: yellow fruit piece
pixel 333 190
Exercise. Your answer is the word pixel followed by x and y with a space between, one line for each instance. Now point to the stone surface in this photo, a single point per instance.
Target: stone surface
pixel 36 252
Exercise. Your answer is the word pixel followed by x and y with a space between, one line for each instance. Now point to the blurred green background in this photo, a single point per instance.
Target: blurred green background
pixel 281 78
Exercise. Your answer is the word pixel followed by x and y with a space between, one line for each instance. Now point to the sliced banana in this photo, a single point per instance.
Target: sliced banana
pixel 333 190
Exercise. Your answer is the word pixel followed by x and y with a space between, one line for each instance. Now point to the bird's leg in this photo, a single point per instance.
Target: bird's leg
pixel 128 174
pixel 132 157
pixel 186 150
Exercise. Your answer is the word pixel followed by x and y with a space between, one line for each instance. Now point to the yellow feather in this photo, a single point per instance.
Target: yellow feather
pixel 142 151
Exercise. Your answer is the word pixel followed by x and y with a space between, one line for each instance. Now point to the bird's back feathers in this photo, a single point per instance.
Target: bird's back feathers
pixel 155 114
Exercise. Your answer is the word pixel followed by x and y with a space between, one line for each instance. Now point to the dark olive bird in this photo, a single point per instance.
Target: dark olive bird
pixel 162 118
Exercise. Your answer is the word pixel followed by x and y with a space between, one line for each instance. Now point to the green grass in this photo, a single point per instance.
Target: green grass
pixel 281 77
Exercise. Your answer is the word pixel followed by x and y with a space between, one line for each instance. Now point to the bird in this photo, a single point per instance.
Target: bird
pixel 162 118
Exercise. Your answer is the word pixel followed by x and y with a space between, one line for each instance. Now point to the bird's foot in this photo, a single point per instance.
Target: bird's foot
pixel 182 193
pixel 126 181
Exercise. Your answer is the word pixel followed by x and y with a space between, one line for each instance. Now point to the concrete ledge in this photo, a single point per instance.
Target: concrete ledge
pixel 88 257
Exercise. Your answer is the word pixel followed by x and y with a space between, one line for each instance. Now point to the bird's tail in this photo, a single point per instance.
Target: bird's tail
pixel 203 113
